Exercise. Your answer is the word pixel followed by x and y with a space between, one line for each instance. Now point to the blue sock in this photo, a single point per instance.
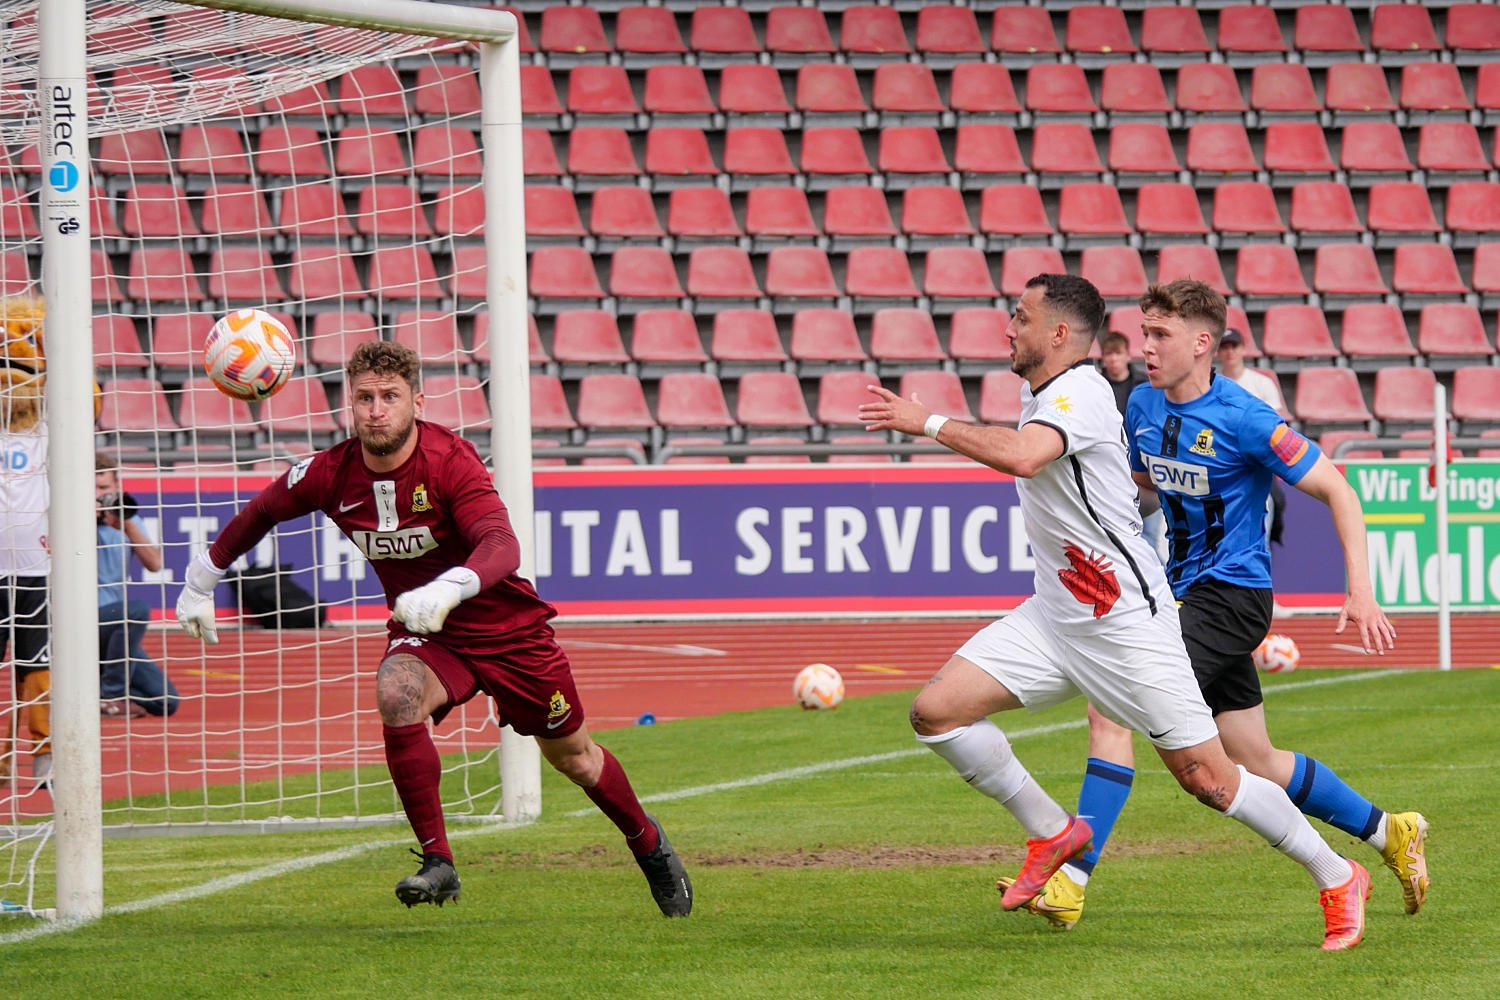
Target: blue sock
pixel 1320 793
pixel 1105 788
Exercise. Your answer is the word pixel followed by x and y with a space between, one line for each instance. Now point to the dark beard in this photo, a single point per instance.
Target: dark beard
pixel 388 445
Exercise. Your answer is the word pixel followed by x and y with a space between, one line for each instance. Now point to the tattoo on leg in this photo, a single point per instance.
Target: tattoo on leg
pixel 398 689
pixel 1215 798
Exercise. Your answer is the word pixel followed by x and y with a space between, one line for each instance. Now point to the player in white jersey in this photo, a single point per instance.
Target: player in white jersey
pixel 1102 622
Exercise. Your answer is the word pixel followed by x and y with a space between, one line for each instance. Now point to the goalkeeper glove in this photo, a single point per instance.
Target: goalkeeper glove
pixel 424 609
pixel 195 605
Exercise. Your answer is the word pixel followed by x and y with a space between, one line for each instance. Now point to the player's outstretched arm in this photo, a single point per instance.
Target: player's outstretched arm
pixel 1324 482
pixel 424 609
pixel 1021 452
pixel 195 605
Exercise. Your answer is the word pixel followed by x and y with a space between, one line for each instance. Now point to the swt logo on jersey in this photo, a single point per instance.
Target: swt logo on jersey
pixel 1178 477
pixel 1288 445
pixel 408 543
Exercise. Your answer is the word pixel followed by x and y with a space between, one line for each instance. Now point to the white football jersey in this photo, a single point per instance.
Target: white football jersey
pixel 23 504
pixel 1093 568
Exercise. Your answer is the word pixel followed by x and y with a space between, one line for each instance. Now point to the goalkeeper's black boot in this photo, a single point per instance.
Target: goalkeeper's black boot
pixel 670 885
pixel 436 882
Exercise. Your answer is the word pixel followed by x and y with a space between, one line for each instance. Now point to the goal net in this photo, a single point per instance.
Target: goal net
pixel 335 176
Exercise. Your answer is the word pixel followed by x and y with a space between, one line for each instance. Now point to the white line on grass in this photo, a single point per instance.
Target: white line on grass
pixel 227 882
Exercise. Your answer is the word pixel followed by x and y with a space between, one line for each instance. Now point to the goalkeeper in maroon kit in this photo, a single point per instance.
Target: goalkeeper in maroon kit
pixel 416 500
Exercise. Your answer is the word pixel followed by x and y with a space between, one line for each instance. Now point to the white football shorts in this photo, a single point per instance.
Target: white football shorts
pixel 1138 675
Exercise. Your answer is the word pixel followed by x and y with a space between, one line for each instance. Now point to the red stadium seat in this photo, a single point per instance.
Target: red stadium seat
pixel 1323 212
pixel 301 410
pixel 699 214
pixel 1064 153
pixel 163 274
pixel 1245 210
pixel 335 335
pixel 1172 36
pixel 456 401
pixel 368 151
pixel 1329 396
pixel 404 273
pixel 648 36
pixel 243 276
pixel 614 403
pixel 753 94
pixel 642 277
pixel 1191 260
pixel 911 155
pixel 1091 214
pixel 901 338
pixel 1400 33
pixel 1355 90
pixel 538 157
pixel 1451 334
pixel 857 216
pixel 678 95
pixel 549 405
pixel 157 210
pixel 1374 151
pixel 552 216
pixel 755 156
pixel 1168 213
pixel 723 35
pixel 324 272
pixel 1450 151
pixel 371 91
pixel 540 104
pixel 1424 271
pixel 312 211
pixel 448 90
pixel 391 210
pixel 1297 151
pixel 215 150
pixel 442 152
pixel 983 92
pixel 1013 215
pixel 1218 152
pixel 1097 35
pixel 934 217
pixel 177 339
pixel 906 94
pixel 1023 35
pixel 1296 334
pixel 1269 273
pixel 666 339
pixel 1473 33
pixel 1432 91
pixel 1000 397
pixel 117 346
pixel 956 277
pixel 879 277
pixel 1476 396
pixel 601 95
pixel 573 36
pixel 136 405
pixel 600 157
pixel 1326 34
pixel 797 35
pixel 1374 335
pixel 131 154
pixel 563 278
pixel 1403 395
pixel 18 219
pixel 824 337
pixel 985 153
pixel 839 396
pixel 870 35
pixel 721 277
pixel 829 94
pixel 1347 272
pixel 771 399
pixel 746 340
pixel 691 401
pixel 977 341
pixel 1060 91
pixel 1399 212
pixel 1020 265
pixel 433 334
pixel 1250 35
pixel 209 414
pixel 779 215
pixel 940 391
pixel 585 338
pixel 947 34
pixel 1485 274
pixel 834 156
pixel 1209 91
pixel 1473 212
pixel 1140 153
pixel 1134 92
pixel 1283 92
pixel 1118 272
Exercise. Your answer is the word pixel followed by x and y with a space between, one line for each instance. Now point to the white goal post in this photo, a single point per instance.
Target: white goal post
pixel 64 92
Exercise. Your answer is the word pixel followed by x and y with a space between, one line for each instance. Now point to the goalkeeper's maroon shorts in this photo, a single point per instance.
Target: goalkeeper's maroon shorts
pixel 530 681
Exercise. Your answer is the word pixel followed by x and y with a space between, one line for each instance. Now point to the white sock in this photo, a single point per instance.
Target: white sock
pixel 1377 839
pixel 982 756
pixel 1263 806
pixel 1078 875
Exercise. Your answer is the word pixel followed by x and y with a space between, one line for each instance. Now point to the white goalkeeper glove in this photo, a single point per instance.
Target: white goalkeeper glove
pixel 424 609
pixel 195 605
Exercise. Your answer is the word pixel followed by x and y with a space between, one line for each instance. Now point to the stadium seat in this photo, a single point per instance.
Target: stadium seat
pixel 361 151
pixel 947 35
pixel 1142 153
pixel 648 36
pixel 1021 264
pixel 643 277
pixel 1373 151
pixel 957 277
pixel 904 338
pixel 324 277
pixel 1249 36
pixel 573 36
pixel 911 155
pixel 1245 211
pixel 1060 92
pixel 697 215
pixel 1325 34
pixel 1092 215
pixel 552 217
pixel 746 340
pixel 1172 36
pixel 878 278
pixel 1134 92
pixel 1401 33
pixel 1374 335
pixel 1064 153
pixel 601 157
pixel 755 157
pixel 776 216
pixel 940 391
pixel 1473 212
pixel 721 277
pixel 549 405
pixel 1000 397
pixel 538 156
pixel 983 92
pixel 825 339
pixel 753 95
pixel 433 334
pixel 1323 212
pixel 934 217
pixel 448 90
pixel 720 36
pixel 1476 397
pixel 1473 33
pixel 1328 396
pixel 796 36
pixel 1485 274
pixel 300 412
pixel 1191 260
pixel 177 339
pixel 442 153
pixel 614 403
pixel 1329 442
pixel 1126 321
pixel 1097 36
pixel 117 346
pixel 540 104
pixel 335 335
pixel 692 401
pixel 135 406
pixel 311 101
pixel 986 153
pixel 216 151
pixel 234 211
pixel 1296 152
pixel 1451 335
pixel 156 211
pixel 163 274
pixel 103 222
pixel 601 96
pixel 243 276
pixel 1449 152
pixel 977 341
pixel 1487 93
pixel 1355 91
pixel 458 211
pixel 870 36
pixel 1012 215
pixel 834 157
pixel 678 95
pixel 404 272
pixel 1283 92
pixel 126 155
pixel 1267 274
pixel 1168 213
pixel 1024 35
pixel 906 94
pixel 15 277
pixel 1425 272
pixel 563 278
pixel 371 91
pixel 212 417
pixel 828 94
pixel 767 400
pixel 586 341
pixel 1294 334
pixel 665 340
pixel 1219 152
pixel 469 275
pixel 1345 273
pixel 1432 91
pixel 839 395
pixel 456 401
pixel 857 217
pixel 1209 92
pixel 1400 212
pixel 1403 395
pixel 391 211
pixel 1118 272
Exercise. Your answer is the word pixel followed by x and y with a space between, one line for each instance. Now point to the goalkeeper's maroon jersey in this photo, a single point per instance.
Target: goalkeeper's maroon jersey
pixel 437 511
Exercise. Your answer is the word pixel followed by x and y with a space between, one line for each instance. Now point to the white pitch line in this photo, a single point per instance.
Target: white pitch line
pixel 227 882
pixel 676 649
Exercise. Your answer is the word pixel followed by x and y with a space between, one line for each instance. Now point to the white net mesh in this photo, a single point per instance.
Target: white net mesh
pixel 330 176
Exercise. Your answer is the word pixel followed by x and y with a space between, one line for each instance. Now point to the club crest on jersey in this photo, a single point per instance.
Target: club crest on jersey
pixel 558 710
pixel 1204 445
pixel 419 501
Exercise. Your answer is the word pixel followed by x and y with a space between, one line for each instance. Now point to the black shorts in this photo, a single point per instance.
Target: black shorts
pixel 1221 626
pixel 23 619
